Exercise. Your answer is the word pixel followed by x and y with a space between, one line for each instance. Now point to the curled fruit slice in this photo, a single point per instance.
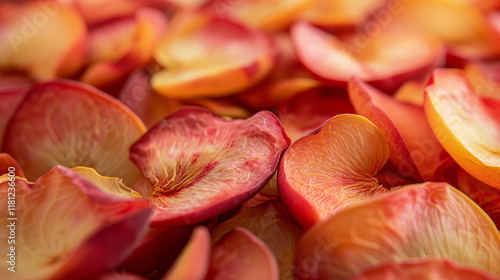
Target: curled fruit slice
pixel 415 222
pixel 67 228
pixel 432 269
pixel 200 165
pixel 332 168
pixel 241 255
pixel 467 127
pixel 71 124
pixel 375 60
pixel 206 56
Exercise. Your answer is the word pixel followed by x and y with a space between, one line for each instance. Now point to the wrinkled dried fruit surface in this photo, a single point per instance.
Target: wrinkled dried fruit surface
pixel 72 124
pixel 414 222
pixel 332 168
pixel 200 165
pixel 67 228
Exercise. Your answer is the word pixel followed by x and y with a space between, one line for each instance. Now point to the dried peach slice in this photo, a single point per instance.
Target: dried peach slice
pixel 72 124
pixel 67 228
pixel 376 60
pixel 204 56
pixel 415 222
pixel 42 38
pixel 117 48
pixel 200 165
pixel 333 167
pixel 431 269
pixel 413 147
pixel 110 185
pixel 466 127
pixel 197 251
pixel 241 255
pixel 271 222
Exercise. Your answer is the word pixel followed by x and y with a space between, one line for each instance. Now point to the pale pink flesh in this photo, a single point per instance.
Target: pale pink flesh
pixel 67 228
pixel 241 255
pixel 194 160
pixel 72 124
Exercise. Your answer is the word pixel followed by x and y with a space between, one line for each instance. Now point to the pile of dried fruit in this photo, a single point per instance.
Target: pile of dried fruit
pixel 250 139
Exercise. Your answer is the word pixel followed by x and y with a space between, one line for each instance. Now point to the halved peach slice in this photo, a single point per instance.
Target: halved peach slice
pixel 333 167
pixel 271 222
pixel 308 110
pixel 466 127
pixel 119 47
pixel 196 251
pixel 45 39
pixel 72 124
pixel 431 269
pixel 241 255
pixel 415 222
pixel 413 147
pixel 67 228
pixel 375 60
pixel 200 165
pixel 206 56
pixel 257 13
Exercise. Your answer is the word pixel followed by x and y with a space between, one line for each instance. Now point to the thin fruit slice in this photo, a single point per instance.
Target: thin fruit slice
pixel 415 222
pixel 431 269
pixel 71 124
pixel 44 39
pixel 308 110
pixel 376 61
pixel 413 147
pixel 67 228
pixel 466 127
pixel 119 47
pixel 197 251
pixel 204 56
pixel 110 185
pixel 200 165
pixel 270 222
pixel 333 167
pixel 241 255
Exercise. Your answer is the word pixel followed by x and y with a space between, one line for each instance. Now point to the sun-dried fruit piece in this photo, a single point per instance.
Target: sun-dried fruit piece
pixel 42 38
pixel 200 165
pixel 413 147
pixel 117 48
pixel 333 167
pixel 241 255
pixel 204 56
pixel 271 223
pixel 376 61
pixel 415 222
pixel 466 127
pixel 110 185
pixel 72 124
pixel 431 269
pixel 196 251
pixel 8 164
pixel 309 109
pixel 487 197
pixel 67 228
pixel 257 13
